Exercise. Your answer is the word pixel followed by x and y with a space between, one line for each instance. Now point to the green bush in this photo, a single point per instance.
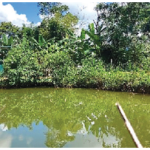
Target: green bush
pixel 22 67
pixel 59 64
pixel 90 72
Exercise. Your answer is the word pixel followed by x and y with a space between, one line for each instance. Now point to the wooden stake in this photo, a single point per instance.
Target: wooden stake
pixel 129 127
pixel 2 109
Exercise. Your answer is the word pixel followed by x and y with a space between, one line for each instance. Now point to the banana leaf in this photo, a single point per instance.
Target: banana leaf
pixel 91 28
pixel 82 34
pixel 41 40
pixel 10 41
pixel 4 39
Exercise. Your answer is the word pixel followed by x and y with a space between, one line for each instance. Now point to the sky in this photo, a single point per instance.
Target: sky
pixel 30 10
pixel 20 13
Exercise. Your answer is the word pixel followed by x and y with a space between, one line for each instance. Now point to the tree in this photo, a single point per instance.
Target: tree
pixel 50 8
pixel 9 29
pixel 58 22
pixel 52 28
pixel 119 26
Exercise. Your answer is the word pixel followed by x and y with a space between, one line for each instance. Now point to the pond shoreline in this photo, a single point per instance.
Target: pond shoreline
pixel 134 82
pixel 123 88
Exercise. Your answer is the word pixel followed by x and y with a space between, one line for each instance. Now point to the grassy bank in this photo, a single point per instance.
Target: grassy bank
pixel 91 73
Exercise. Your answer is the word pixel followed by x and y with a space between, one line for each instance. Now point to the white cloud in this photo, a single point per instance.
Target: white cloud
pixel 38 23
pixel 85 12
pixel 42 16
pixel 3 127
pixel 5 138
pixel 8 14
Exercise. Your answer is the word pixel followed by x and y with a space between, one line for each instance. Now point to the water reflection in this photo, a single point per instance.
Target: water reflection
pixel 3 127
pixel 47 117
pixel 5 139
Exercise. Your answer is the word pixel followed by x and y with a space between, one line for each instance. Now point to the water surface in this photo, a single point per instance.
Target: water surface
pixel 50 117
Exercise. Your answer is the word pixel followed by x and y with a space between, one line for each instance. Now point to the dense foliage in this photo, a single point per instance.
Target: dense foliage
pixel 113 53
pixel 122 29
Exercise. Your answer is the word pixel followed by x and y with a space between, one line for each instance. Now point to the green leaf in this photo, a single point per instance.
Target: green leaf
pixel 91 27
pixel 4 39
pixel 82 34
pixel 10 41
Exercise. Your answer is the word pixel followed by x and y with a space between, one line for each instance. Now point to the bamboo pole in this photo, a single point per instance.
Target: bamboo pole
pixel 129 127
pixel 2 109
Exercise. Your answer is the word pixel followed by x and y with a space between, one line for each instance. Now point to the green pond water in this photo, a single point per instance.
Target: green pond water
pixel 50 117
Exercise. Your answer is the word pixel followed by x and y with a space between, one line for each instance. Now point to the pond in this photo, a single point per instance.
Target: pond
pixel 59 117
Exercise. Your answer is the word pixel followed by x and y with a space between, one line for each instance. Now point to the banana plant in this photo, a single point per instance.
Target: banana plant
pixel 41 43
pixel 91 33
pixel 6 41
pixel 91 44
